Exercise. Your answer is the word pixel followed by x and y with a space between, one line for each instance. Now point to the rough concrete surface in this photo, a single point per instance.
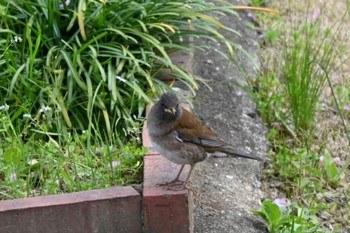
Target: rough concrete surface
pixel 223 191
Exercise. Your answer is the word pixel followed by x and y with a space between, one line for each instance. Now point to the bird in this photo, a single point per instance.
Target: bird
pixel 182 138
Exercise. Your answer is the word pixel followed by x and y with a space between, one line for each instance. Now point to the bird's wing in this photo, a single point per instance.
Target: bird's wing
pixel 186 136
pixel 190 129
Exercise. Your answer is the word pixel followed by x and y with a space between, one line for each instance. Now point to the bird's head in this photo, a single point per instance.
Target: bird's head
pixel 169 106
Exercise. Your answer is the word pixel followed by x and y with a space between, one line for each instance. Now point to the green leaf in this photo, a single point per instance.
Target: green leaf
pixel 13 155
pixel 72 69
pixel 261 214
pixel 272 211
pixel 332 172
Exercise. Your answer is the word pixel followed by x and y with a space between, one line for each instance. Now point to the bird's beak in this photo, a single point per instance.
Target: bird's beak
pixel 170 110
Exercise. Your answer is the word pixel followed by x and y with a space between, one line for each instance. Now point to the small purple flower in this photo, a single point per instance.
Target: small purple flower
pixel 251 16
pixel 115 163
pixel 13 176
pixel 282 202
pixel 347 107
pixel 338 161
pixel 61 6
pixel 261 36
pixel 315 14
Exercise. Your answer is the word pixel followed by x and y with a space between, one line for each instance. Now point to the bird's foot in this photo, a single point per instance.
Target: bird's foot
pixel 190 188
pixel 175 185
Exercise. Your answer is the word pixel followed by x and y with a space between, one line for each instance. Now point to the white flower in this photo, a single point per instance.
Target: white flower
pixel 33 162
pixel 45 109
pixel 4 107
pixel 26 115
pixel 18 39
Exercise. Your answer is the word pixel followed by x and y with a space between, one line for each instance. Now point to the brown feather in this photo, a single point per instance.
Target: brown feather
pixel 192 130
pixel 191 127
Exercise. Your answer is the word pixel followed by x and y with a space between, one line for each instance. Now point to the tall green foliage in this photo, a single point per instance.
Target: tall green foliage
pixel 307 62
pixel 94 63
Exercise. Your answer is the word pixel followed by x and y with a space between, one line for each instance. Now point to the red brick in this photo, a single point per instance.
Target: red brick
pixel 165 211
pixel 162 216
pixel 104 210
pixel 146 141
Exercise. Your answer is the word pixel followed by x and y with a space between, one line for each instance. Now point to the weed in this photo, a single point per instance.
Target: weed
pixel 258 3
pixel 295 72
pixel 288 219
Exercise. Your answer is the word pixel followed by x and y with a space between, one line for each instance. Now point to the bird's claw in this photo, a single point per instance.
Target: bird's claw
pixel 175 185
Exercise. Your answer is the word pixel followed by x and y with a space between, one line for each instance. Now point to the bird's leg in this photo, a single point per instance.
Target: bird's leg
pixel 188 177
pixel 174 182
pixel 180 185
pixel 187 184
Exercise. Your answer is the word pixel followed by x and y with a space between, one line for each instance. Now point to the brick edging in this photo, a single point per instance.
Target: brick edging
pixel 110 209
pixel 101 210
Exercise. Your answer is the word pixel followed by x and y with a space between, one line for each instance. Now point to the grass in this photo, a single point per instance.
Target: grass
pixel 291 219
pixel 76 79
pixel 301 97
pixel 33 166
pixel 304 72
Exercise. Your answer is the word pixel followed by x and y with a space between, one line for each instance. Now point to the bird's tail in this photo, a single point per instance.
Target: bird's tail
pixel 231 151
